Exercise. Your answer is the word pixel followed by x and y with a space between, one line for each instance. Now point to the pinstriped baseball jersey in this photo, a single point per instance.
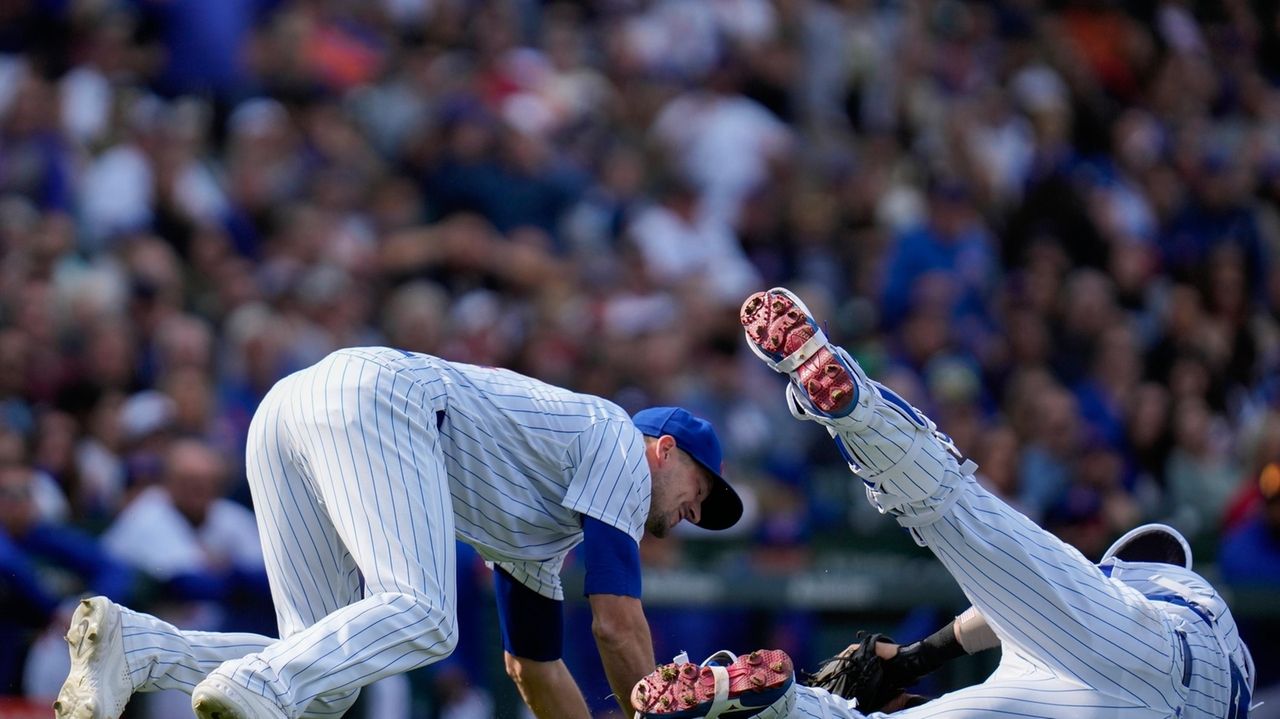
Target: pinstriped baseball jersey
pixel 525 458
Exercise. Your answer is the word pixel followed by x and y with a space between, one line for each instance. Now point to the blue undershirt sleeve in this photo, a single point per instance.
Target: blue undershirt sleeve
pixel 612 560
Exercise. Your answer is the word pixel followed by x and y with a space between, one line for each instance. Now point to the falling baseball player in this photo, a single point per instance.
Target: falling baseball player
pixel 363 469
pixel 1139 635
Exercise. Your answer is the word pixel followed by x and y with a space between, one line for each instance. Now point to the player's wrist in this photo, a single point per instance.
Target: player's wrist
pixel 924 657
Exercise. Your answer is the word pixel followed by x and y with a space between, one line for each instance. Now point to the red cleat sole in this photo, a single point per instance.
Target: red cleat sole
pixel 680 689
pixel 778 327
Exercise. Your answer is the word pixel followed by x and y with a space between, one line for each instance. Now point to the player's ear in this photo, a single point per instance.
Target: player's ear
pixel 666 445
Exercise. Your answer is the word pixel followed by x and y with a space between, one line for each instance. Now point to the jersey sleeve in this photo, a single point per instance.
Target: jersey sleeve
pixel 609 477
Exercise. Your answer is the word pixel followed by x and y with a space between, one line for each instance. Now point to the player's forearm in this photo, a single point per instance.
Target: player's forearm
pixel 626 650
pixel 548 688
pixel 973 633
pixel 968 633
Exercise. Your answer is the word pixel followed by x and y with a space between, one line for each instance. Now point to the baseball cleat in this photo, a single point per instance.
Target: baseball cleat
pixel 759 685
pixel 217 698
pixel 782 332
pixel 98 686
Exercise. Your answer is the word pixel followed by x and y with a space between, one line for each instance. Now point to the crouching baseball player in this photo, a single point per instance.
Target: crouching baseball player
pixel 1139 635
pixel 363 469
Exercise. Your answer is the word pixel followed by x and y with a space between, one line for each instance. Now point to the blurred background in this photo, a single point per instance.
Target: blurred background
pixel 1051 225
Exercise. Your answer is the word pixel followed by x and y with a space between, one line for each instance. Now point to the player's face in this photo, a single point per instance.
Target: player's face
pixel 679 488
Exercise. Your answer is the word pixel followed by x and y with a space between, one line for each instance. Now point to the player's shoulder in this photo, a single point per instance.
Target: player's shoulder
pixel 609 411
pixel 560 401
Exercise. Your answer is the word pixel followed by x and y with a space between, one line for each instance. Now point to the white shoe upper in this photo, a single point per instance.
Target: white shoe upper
pixel 219 698
pixel 895 449
pixel 98 685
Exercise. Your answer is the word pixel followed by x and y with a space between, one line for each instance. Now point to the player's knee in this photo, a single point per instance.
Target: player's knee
pixel 527 673
pixel 514 667
pixel 435 623
pixel 448 640
pixel 327 706
pixel 442 637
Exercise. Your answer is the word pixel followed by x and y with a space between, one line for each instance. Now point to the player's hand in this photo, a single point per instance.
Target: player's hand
pixel 861 672
pixel 875 672
pixel 885 649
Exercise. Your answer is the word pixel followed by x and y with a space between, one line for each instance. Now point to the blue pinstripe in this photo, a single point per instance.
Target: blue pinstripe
pixel 996 613
pixel 1101 599
pixel 374 475
pixel 1051 650
pixel 490 441
pixel 607 464
pixel 1031 539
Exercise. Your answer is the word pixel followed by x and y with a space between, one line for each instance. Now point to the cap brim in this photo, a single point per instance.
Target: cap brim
pixel 722 508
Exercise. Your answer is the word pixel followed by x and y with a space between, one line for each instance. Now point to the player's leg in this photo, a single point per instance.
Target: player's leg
pixel 1045 601
pixel 1012 691
pixel 116 652
pixel 1029 694
pixel 367 442
pixel 311 572
pixel 161 657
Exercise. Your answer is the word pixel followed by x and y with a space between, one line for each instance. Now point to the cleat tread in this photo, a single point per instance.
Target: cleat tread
pixel 686 689
pixel 778 334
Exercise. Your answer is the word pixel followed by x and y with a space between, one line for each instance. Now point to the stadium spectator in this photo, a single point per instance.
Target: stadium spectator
pixel 201 549
pixel 33 538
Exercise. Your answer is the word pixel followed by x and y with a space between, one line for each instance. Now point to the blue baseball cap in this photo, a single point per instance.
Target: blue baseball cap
pixel 697 438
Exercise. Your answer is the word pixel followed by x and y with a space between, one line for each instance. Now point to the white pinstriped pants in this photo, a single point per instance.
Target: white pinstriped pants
pixel 1075 645
pixel 353 508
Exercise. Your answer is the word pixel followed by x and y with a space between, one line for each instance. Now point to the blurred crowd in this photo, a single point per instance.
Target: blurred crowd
pixel 1053 225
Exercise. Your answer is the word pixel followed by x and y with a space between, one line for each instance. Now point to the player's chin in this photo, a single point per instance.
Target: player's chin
pixel 659 526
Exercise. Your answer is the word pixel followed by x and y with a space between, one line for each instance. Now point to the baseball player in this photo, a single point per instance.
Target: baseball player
pixel 363 469
pixel 1140 635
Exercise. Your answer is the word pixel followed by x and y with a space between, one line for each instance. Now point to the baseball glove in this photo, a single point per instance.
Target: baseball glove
pixel 877 684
